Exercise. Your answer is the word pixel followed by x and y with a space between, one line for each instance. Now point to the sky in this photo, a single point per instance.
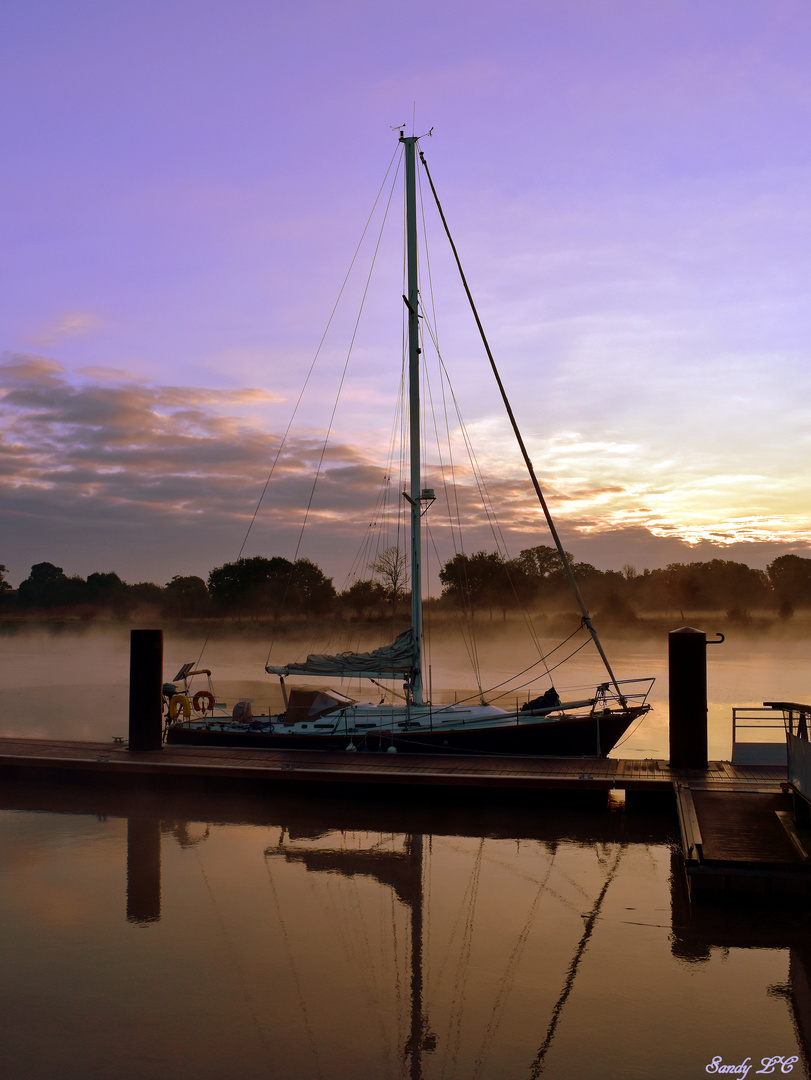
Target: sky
pixel 184 186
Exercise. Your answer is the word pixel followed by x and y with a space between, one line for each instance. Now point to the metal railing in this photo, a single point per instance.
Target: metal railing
pixel 795 717
pixel 634 691
pixel 758 751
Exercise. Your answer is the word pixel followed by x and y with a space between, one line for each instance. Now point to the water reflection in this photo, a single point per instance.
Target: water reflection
pixel 699 930
pixel 288 937
pixel 143 869
pixel 402 871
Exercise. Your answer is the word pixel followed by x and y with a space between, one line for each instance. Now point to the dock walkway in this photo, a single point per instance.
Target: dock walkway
pixel 432 770
pixel 743 842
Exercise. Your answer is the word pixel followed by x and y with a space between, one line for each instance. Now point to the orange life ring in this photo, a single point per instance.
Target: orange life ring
pixel 203 701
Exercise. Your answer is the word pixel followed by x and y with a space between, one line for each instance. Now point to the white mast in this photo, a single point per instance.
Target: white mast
pixel 414 496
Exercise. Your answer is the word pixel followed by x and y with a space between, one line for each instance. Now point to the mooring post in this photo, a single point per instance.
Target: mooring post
pixel 687 669
pixel 146 680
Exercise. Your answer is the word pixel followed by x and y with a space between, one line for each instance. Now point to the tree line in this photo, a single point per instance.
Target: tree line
pixel 537 577
pixel 266 588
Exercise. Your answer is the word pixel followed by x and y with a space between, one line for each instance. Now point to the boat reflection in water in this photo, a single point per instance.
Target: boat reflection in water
pixel 292 937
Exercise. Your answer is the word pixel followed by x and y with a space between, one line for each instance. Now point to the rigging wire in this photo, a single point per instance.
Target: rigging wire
pixel 547 670
pixel 630 733
pixel 539 1061
pixel 339 898
pixel 299 993
pixel 507 979
pixel 467 909
pixel 490 513
pixel 454 517
pixel 522 447
pixel 397 153
pixel 487 503
pixel 370 547
pixel 465 627
pixel 372 984
pixel 467 631
pixel 232 954
pixel 317 476
pixel 399 973
pixel 378 540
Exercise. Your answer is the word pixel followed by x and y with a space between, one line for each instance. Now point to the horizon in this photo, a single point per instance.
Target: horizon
pixel 635 573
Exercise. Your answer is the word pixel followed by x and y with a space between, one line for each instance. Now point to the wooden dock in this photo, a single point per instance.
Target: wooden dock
pixel 174 763
pixel 743 842
pixel 737 829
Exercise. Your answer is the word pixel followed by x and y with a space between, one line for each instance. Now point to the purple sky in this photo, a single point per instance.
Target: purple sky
pixel 184 184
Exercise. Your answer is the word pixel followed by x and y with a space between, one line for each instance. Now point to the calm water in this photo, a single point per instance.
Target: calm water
pixel 152 936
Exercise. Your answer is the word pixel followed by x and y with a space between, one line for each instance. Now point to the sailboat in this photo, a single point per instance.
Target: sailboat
pixel 325 718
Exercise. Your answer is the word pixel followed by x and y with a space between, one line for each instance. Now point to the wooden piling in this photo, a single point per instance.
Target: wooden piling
pixel 687 668
pixel 146 680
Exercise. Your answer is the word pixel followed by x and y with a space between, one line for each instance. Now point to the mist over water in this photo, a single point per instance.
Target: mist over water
pixel 74 685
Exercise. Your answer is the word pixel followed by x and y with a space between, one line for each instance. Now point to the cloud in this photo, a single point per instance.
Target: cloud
pixel 70 324
pixel 106 470
pixel 123 457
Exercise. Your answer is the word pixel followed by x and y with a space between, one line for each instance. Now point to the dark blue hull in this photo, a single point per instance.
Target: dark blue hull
pixel 586 737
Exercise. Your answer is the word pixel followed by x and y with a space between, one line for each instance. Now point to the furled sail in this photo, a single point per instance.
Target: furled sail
pixel 388 662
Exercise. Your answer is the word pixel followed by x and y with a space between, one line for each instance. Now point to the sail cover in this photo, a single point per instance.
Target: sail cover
pixel 388 662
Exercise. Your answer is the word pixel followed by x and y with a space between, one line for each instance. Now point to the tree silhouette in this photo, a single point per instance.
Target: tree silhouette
pixel 790 577
pixel 544 563
pixel 105 588
pixel 475 581
pixel 390 566
pixel 310 590
pixel 364 595
pixel 48 587
pixel 185 596
pixel 267 586
pixel 270 587
pixel 146 592
pixel 256 585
